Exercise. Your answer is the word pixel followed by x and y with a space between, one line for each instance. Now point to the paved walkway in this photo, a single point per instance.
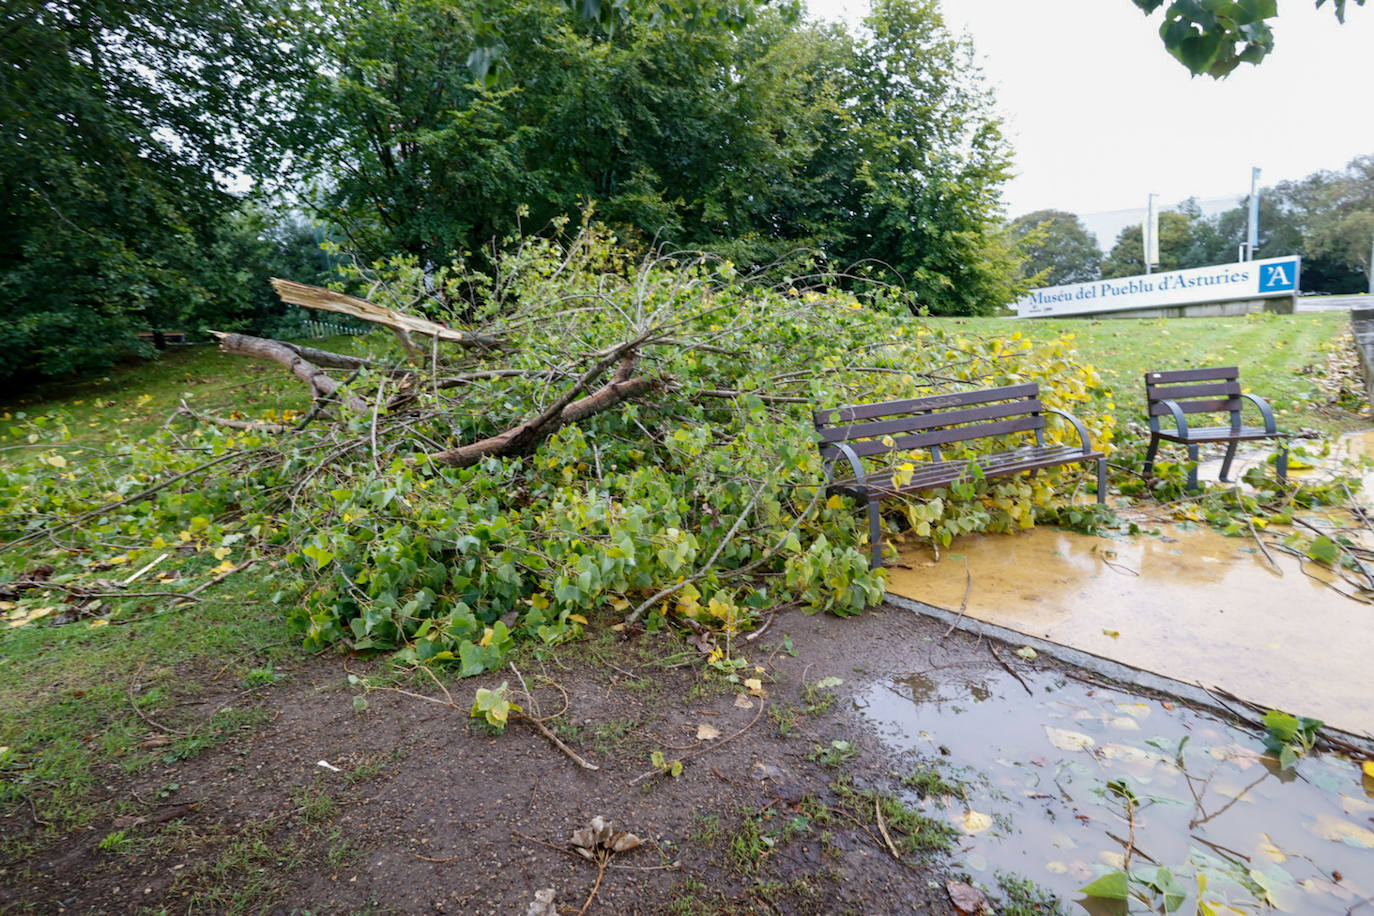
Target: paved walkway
pixel 1186 603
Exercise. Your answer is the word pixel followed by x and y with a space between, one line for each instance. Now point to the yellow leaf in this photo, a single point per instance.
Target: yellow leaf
pixel 834 502
pixel 119 560
pixel 1330 827
pixel 1368 767
pixel 1028 653
pixel 57 461
pixel 221 552
pixel 539 600
pixel 619 603
pixel 1114 634
pixel 158 543
pixel 223 567
pixel 487 637
pixel 754 686
pixel 1068 741
pixel 578 618
pixel 99 623
pixel 1268 850
pixel 975 821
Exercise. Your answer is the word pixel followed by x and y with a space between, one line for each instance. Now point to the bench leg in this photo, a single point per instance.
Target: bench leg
pixel 1150 455
pixel 1101 481
pixel 875 534
pixel 1192 471
pixel 1281 461
pixel 1226 462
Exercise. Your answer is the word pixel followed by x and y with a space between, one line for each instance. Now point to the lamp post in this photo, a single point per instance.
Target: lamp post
pixel 1149 233
pixel 1252 228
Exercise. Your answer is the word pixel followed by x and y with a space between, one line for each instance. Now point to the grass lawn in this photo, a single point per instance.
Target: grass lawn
pixel 136 398
pixel 1281 357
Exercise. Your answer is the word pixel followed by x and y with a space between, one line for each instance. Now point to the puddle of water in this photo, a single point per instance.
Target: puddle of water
pixel 1190 604
pixel 1209 803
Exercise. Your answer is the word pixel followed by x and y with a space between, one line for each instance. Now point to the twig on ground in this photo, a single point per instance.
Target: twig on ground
pixel 963 605
pixel 133 704
pixel 1273 564
pixel 713 746
pixel 882 827
pixel 1009 669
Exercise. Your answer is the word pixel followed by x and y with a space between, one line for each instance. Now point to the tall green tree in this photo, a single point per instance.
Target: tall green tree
pixel 738 129
pixel 1127 257
pixel 1340 226
pixel 1058 248
pixel 126 121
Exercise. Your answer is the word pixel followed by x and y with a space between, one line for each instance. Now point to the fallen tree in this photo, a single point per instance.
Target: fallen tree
pixel 590 433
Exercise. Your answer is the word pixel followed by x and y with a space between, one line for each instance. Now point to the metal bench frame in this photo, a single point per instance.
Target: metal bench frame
pixel 1178 393
pixel 857 431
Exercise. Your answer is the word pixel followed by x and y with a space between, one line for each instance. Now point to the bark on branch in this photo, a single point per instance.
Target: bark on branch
pixel 316 297
pixel 288 355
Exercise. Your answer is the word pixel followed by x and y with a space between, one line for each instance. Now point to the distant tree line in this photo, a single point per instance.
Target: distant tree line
pixel 162 159
pixel 1327 218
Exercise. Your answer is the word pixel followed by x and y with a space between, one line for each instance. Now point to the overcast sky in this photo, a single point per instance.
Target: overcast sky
pixel 1100 115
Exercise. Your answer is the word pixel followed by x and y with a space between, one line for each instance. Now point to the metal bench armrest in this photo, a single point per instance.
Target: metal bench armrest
pixel 854 463
pixel 1265 411
pixel 1077 424
pixel 1180 417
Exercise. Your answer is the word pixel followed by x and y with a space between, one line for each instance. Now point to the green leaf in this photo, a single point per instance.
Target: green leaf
pixel 1323 550
pixel 321 556
pixel 1114 885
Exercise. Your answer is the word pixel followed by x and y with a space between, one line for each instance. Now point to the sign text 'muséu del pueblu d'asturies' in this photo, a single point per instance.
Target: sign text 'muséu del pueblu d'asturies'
pixel 1220 283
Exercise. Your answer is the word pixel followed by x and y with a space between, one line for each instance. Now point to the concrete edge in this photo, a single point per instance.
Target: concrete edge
pixel 1192 694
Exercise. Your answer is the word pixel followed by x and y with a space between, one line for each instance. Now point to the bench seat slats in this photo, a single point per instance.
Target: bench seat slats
pixel 1162 410
pixel 876 428
pixel 1229 389
pixel 1173 376
pixel 867 447
pixel 1218 434
pixel 838 416
pixel 930 475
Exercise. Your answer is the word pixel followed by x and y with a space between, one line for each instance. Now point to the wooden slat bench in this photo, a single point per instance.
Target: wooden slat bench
pixel 1177 393
pixel 858 431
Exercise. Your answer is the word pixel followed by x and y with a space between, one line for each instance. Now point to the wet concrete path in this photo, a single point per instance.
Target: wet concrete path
pixel 1184 602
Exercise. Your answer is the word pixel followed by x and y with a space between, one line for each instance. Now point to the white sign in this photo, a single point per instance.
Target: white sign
pixel 1220 283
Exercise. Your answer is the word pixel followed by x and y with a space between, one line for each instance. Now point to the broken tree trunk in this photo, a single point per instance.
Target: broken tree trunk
pixel 288 355
pixel 316 297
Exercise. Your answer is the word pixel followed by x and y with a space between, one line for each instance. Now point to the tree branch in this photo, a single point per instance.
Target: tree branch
pixel 321 385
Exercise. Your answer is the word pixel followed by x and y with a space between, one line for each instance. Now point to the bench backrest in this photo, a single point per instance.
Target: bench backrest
pixel 930 422
pixel 1194 391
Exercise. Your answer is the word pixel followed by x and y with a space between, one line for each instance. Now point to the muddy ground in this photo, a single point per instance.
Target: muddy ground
pixel 421 809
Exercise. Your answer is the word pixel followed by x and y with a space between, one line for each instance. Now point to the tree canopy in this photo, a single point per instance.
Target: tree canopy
pixel 126 122
pixel 752 134
pixel 1058 248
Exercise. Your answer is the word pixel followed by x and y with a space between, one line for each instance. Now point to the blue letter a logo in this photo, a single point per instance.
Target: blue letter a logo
pixel 1278 277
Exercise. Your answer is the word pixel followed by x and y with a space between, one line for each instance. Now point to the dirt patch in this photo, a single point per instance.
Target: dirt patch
pixel 305 803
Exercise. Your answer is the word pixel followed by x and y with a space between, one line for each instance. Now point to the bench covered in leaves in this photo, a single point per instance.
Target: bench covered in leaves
pixel 876 431
pixel 1178 393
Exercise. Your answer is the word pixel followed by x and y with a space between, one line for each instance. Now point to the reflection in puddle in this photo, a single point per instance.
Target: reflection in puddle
pixel 1209 804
